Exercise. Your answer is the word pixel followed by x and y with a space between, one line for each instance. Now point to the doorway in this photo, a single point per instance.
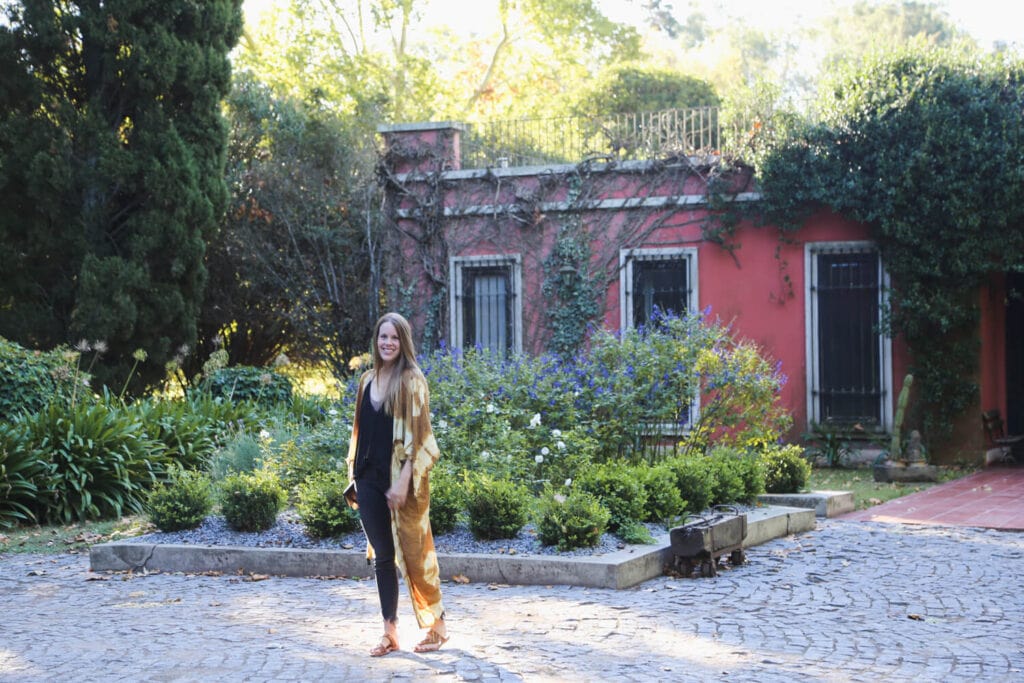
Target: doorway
pixel 1015 353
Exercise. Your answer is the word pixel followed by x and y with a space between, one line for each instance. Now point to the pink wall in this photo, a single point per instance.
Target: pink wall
pixel 758 288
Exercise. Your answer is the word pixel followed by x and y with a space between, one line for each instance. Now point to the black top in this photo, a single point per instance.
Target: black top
pixel 373 449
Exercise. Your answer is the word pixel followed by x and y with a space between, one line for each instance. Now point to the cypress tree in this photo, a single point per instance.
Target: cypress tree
pixel 112 151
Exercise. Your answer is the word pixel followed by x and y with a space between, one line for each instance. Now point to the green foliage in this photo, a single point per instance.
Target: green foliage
pixel 21 465
pixel 188 433
pixel 695 480
pixel 618 490
pixel 568 522
pixel 543 418
pixel 785 469
pixel 262 386
pixel 572 294
pixel 497 508
pixel 447 501
pixel 322 507
pixel 182 501
pixel 739 477
pixel 293 453
pixel 31 379
pixel 634 533
pixel 113 148
pixel 303 171
pixel 830 442
pixel 631 88
pixel 664 500
pixel 250 501
pixel 934 136
pixel 241 454
pixel 99 462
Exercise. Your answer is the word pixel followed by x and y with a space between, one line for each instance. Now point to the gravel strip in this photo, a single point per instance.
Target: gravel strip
pixel 289 532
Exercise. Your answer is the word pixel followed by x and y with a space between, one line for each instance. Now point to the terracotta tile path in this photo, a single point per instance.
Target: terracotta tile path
pixel 992 498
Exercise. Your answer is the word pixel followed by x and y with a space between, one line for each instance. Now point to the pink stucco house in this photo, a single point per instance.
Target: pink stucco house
pixel 485 253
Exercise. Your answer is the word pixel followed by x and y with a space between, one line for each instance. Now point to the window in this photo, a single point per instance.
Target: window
pixel 656 278
pixel 666 280
pixel 485 303
pixel 849 360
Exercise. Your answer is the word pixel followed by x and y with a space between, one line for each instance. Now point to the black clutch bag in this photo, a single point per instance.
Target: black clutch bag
pixel 350 495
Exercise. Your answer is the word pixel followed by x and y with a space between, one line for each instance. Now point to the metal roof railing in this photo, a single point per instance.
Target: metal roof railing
pixel 570 140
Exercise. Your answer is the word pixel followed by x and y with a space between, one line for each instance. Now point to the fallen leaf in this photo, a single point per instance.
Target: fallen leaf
pixel 459 578
pixel 915 617
pixel 257 577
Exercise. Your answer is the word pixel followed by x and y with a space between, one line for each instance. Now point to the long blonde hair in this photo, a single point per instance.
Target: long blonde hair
pixel 406 356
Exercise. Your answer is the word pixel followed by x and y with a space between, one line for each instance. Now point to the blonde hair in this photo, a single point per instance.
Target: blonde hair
pixel 406 356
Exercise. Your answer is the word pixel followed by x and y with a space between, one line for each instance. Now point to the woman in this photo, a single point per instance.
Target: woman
pixel 390 455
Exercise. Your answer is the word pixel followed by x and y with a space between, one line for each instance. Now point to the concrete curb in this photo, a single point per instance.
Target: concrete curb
pixel 824 503
pixel 622 569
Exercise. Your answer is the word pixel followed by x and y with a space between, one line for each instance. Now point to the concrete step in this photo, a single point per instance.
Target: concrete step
pixel 824 503
pixel 622 569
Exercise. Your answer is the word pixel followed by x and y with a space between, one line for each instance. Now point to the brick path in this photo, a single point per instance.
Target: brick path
pixel 850 601
pixel 992 498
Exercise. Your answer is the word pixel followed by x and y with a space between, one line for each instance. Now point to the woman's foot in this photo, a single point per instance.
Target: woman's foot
pixel 388 643
pixel 432 643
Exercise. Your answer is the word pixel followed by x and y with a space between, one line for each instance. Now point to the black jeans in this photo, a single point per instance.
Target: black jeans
pixel 376 519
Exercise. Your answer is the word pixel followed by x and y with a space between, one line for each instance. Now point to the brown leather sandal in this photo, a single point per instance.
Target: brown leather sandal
pixel 386 645
pixel 432 643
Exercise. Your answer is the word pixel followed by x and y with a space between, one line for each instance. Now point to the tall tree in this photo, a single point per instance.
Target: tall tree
pixel 293 270
pixel 376 59
pixel 112 178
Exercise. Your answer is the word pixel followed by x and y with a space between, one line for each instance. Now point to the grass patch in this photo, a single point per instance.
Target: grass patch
pixel 866 491
pixel 56 539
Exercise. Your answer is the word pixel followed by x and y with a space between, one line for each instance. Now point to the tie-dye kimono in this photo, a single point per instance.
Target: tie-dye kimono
pixel 410 525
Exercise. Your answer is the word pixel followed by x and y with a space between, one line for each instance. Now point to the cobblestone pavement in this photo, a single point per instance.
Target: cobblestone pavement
pixel 850 601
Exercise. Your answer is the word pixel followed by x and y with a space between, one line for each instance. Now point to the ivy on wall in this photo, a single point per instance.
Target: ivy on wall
pixel 927 148
pixel 501 213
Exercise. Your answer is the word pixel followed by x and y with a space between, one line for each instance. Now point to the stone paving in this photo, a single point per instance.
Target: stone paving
pixel 849 601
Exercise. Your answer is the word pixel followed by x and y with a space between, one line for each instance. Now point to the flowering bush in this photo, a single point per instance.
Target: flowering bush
pixel 624 398
pixel 573 521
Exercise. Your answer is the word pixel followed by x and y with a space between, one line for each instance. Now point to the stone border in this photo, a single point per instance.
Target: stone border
pixel 824 503
pixel 621 569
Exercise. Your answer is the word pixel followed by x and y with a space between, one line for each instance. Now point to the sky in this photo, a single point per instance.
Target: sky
pixel 987 20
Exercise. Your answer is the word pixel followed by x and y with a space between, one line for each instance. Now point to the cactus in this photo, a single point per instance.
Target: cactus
pixel 895 446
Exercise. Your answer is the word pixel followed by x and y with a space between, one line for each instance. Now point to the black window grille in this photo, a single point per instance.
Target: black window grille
pixel 849 358
pixel 659 283
pixel 487 298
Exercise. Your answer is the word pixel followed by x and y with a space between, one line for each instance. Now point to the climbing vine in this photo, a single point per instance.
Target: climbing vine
pixel 924 147
pixel 558 220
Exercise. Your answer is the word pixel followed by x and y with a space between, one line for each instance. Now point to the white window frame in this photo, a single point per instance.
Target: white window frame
pixel 457 266
pixel 812 350
pixel 627 257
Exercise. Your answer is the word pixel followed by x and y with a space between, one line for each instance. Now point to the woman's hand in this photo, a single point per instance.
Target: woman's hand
pixel 399 491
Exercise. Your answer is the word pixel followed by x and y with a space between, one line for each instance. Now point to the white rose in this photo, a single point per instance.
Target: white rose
pixel 539 459
pixel 545 450
pixel 561 445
